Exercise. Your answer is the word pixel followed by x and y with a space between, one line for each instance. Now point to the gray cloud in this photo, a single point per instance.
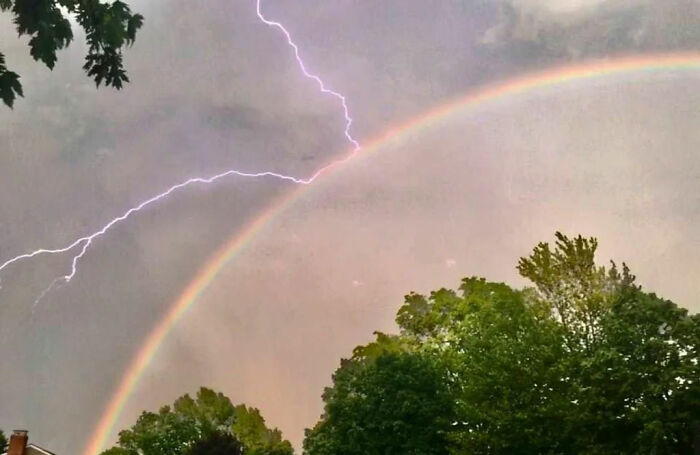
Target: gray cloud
pixel 544 30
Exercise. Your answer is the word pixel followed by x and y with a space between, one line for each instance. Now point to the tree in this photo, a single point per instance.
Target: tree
pixel 503 353
pixel 249 427
pixel 217 443
pixel 584 362
pixel 109 28
pixel 636 354
pixel 638 392
pixel 174 429
pixel 198 423
pixel 577 291
pixel 3 442
pixel 390 403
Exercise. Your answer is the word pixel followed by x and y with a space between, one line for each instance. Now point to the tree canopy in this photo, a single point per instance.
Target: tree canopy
pixel 192 424
pixel 109 28
pixel 582 362
pixel 393 404
pixel 249 427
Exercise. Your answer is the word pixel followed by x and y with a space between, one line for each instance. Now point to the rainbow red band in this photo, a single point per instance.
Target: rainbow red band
pixel 105 428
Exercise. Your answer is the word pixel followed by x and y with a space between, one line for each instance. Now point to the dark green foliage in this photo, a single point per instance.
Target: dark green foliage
pixel 119 451
pixel 9 84
pixel 192 425
pixel 395 403
pixel 217 443
pixel 3 442
pixel 639 392
pixel 109 27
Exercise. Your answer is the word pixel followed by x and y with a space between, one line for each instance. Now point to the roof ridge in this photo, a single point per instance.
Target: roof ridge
pixel 40 449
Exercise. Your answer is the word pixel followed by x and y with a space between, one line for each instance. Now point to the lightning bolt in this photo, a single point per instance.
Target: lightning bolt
pixel 81 245
pixel 322 87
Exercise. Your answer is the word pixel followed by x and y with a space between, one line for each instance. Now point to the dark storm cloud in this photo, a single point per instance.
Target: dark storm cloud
pixel 535 31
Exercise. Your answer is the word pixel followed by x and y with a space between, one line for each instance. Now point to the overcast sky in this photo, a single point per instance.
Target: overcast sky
pixel 212 89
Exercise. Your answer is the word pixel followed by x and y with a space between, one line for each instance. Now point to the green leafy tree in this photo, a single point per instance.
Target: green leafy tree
pixel 3 442
pixel 217 443
pixel 632 357
pixel 389 403
pixel 109 27
pixel 172 430
pixel 249 427
pixel 503 353
pixel 638 392
pixel 584 362
pixel 577 291
pixel 197 423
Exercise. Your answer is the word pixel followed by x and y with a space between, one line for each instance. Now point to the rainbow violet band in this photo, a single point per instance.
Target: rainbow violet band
pixel 552 77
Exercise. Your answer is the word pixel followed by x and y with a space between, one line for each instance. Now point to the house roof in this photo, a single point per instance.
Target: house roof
pixel 33 449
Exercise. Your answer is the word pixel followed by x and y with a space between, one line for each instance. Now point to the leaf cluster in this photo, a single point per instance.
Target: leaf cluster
pixel 249 427
pixel 218 443
pixel 109 28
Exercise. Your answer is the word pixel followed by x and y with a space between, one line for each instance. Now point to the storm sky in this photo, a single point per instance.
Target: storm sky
pixel 213 88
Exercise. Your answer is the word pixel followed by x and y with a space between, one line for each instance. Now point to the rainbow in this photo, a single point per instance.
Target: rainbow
pixel 548 78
